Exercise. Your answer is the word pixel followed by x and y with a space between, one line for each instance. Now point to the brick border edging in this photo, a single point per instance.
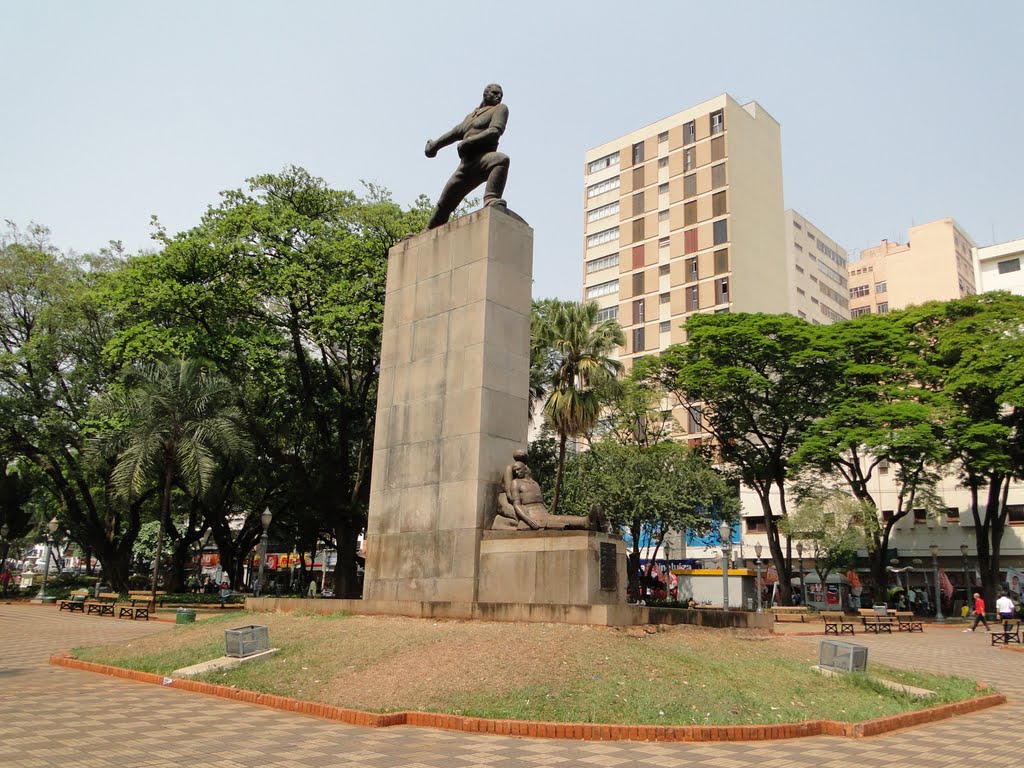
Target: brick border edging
pixel 546 730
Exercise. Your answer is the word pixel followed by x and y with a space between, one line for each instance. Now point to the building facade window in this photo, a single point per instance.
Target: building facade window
pixel 602 237
pixel 664 298
pixel 856 312
pixel 603 186
pixel 605 262
pixel 717 122
pixel 828 312
pixel 721 231
pixel 692 299
pixel 718 176
pixel 1009 265
pixel 638 284
pixel 663 270
pixel 608 313
pixel 663 162
pixel 689 186
pixel 664 242
pixel 690 241
pixel 691 270
pixel 638 256
pixel 602 289
pixel 881 287
pixel 665 326
pixel 638 311
pixel 694 415
pixel 689 213
pixel 718 148
pixel 603 212
pixel 663 136
pixel 603 162
pixel 638 203
pixel 722 290
pixel 859 290
pixel 718 206
pixel 663 188
pixel 638 229
pixel 721 261
pixel 689 132
pixel 638 340
pixel 638 153
pixel 883 307
pixel 689 163
pixel 663 215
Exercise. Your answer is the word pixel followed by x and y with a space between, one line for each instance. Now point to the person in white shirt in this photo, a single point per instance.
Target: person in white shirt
pixel 1005 607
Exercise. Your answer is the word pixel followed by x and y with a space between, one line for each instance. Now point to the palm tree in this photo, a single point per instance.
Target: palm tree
pixel 576 346
pixel 179 424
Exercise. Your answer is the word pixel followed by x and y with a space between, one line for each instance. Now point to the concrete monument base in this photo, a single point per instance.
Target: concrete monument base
pixel 552 568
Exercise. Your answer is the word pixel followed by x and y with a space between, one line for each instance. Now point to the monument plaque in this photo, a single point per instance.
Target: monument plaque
pixel 609 566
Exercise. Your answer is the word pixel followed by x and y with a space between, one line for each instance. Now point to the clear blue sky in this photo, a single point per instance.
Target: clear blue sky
pixel 892 113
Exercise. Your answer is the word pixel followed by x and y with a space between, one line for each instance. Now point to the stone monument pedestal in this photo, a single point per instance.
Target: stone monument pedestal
pixel 552 568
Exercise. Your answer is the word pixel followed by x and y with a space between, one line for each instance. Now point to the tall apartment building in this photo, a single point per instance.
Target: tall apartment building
pixel 817 272
pixel 934 264
pixel 685 215
pixel 998 267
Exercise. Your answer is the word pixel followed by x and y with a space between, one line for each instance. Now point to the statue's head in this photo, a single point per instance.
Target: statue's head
pixel 520 470
pixel 492 95
pixel 519 455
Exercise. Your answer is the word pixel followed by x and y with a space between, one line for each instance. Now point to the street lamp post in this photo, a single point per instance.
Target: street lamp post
pixel 934 549
pixel 800 560
pixel 265 519
pixel 4 531
pixel 52 529
pixel 968 592
pixel 668 568
pixel 725 531
pixel 757 562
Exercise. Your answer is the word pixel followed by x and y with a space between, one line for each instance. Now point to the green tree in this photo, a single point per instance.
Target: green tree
pixel 282 286
pixel 835 525
pixel 880 414
pixel 577 347
pixel 176 420
pixel 762 381
pixel 53 328
pixel 972 353
pixel 648 491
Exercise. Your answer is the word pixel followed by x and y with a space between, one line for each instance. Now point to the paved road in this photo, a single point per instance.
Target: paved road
pixel 51 716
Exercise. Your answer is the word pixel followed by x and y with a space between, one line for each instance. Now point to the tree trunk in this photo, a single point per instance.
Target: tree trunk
pixel 346 571
pixel 558 475
pixel 165 506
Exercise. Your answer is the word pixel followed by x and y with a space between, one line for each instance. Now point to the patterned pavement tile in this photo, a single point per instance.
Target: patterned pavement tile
pixel 52 716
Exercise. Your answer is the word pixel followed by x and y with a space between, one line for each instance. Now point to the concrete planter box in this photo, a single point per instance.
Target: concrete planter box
pixel 245 641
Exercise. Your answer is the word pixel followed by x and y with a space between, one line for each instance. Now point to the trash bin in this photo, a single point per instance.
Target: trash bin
pixel 245 641
pixel 185 616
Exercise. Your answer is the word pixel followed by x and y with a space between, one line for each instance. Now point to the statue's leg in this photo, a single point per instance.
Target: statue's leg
pixel 462 182
pixel 496 165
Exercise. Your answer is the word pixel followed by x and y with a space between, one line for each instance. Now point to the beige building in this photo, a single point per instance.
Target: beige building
pixel 934 264
pixel 685 215
pixel 998 267
pixel 817 272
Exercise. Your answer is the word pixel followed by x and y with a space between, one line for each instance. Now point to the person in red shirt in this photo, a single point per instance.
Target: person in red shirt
pixel 979 613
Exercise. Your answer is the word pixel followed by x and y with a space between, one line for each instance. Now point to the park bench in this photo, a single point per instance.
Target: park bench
pixel 792 613
pixel 908 622
pixel 875 621
pixel 1010 633
pixel 102 604
pixel 137 596
pixel 75 601
pixel 135 611
pixel 836 623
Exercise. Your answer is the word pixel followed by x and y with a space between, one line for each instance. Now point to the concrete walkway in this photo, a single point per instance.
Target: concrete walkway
pixel 51 716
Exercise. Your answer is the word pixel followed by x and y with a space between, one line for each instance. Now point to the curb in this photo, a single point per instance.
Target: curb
pixel 545 730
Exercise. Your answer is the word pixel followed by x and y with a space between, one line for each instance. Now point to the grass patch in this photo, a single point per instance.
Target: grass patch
pixel 684 676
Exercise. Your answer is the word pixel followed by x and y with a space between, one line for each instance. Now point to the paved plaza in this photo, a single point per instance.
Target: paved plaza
pixel 52 716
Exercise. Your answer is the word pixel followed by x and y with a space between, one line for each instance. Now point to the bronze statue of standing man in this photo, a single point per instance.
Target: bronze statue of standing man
pixel 480 160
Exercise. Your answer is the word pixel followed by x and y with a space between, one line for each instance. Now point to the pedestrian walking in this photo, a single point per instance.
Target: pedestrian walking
pixel 1005 608
pixel 979 614
pixel 225 593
